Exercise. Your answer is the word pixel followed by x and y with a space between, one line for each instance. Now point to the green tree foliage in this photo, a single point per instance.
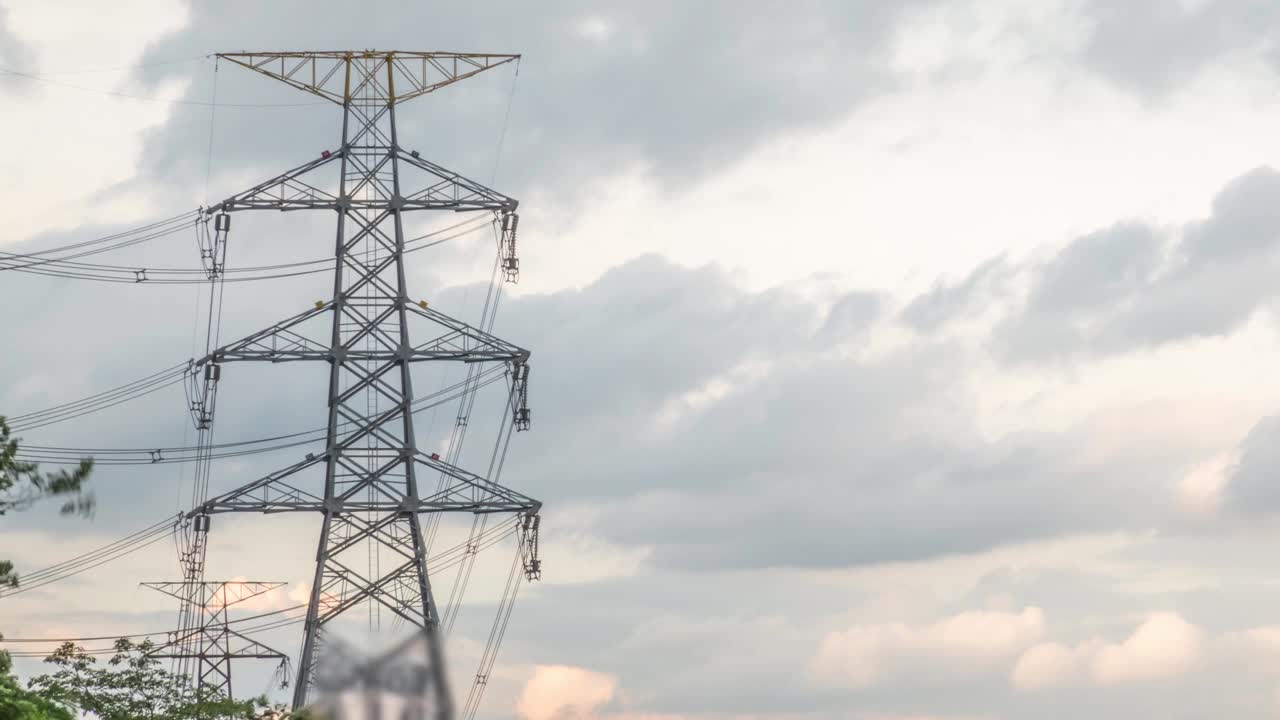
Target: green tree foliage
pixel 133 686
pixel 19 704
pixel 22 483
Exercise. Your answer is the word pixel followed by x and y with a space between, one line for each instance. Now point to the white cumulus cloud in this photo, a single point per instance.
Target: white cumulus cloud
pixel 561 692
pixel 1164 646
pixel 868 655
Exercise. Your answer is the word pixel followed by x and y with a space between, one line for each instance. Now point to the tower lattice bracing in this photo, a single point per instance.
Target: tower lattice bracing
pixel 372 485
pixel 211 640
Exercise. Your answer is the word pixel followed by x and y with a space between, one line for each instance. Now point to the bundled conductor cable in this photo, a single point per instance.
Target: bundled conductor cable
pixel 48 263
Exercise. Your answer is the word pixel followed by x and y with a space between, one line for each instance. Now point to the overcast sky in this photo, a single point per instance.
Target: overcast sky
pixel 892 360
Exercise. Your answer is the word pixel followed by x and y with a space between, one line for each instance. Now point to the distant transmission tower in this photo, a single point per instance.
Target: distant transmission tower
pixel 372 468
pixel 212 644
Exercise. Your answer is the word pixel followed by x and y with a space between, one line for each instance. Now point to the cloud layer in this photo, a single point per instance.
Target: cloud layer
pixel 804 452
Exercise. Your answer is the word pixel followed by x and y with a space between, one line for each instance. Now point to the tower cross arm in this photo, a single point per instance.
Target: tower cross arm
pixel 301 189
pixel 450 190
pixel 462 492
pixel 287 191
pixel 461 341
pixel 287 341
pixel 221 593
pixel 281 342
pixel 268 494
pixel 392 76
pixel 236 646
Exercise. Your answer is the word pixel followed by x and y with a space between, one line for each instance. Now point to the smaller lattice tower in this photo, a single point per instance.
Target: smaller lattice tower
pixel 205 650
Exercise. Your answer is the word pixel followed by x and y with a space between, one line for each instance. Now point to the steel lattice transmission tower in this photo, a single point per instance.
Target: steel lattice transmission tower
pixel 213 643
pixel 373 471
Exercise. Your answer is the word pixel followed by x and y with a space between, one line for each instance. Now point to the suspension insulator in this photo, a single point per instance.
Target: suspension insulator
pixel 510 263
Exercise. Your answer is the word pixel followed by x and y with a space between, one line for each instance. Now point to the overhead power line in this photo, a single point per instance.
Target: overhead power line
pixel 166 455
pixel 118 68
pixel 36 264
pixel 107 243
pixel 145 98
pixel 101 401
pixel 94 558
pixel 442 561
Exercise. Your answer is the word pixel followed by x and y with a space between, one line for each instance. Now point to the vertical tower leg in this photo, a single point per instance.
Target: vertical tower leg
pixel 371 455
pixel 311 630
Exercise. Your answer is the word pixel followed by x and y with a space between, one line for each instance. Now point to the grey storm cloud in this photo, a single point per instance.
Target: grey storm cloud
pixel 720 426
pixel 948 302
pixel 1252 485
pixel 827 460
pixel 14 55
pixel 852 314
pixel 1133 286
pixel 12 50
pixel 1097 271
pixel 1152 46
pixel 678 88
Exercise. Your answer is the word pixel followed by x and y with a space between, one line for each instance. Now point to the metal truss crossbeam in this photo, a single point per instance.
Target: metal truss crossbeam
pixel 346 76
pixel 219 594
pixel 275 493
pixel 296 189
pixel 286 341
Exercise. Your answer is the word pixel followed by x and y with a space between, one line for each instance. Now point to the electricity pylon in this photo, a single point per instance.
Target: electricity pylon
pixel 372 466
pixel 213 644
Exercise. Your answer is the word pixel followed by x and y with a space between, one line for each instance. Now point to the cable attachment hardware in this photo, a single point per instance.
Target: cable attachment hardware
pixel 203 393
pixel 510 263
pixel 213 247
pixel 520 397
pixel 529 547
